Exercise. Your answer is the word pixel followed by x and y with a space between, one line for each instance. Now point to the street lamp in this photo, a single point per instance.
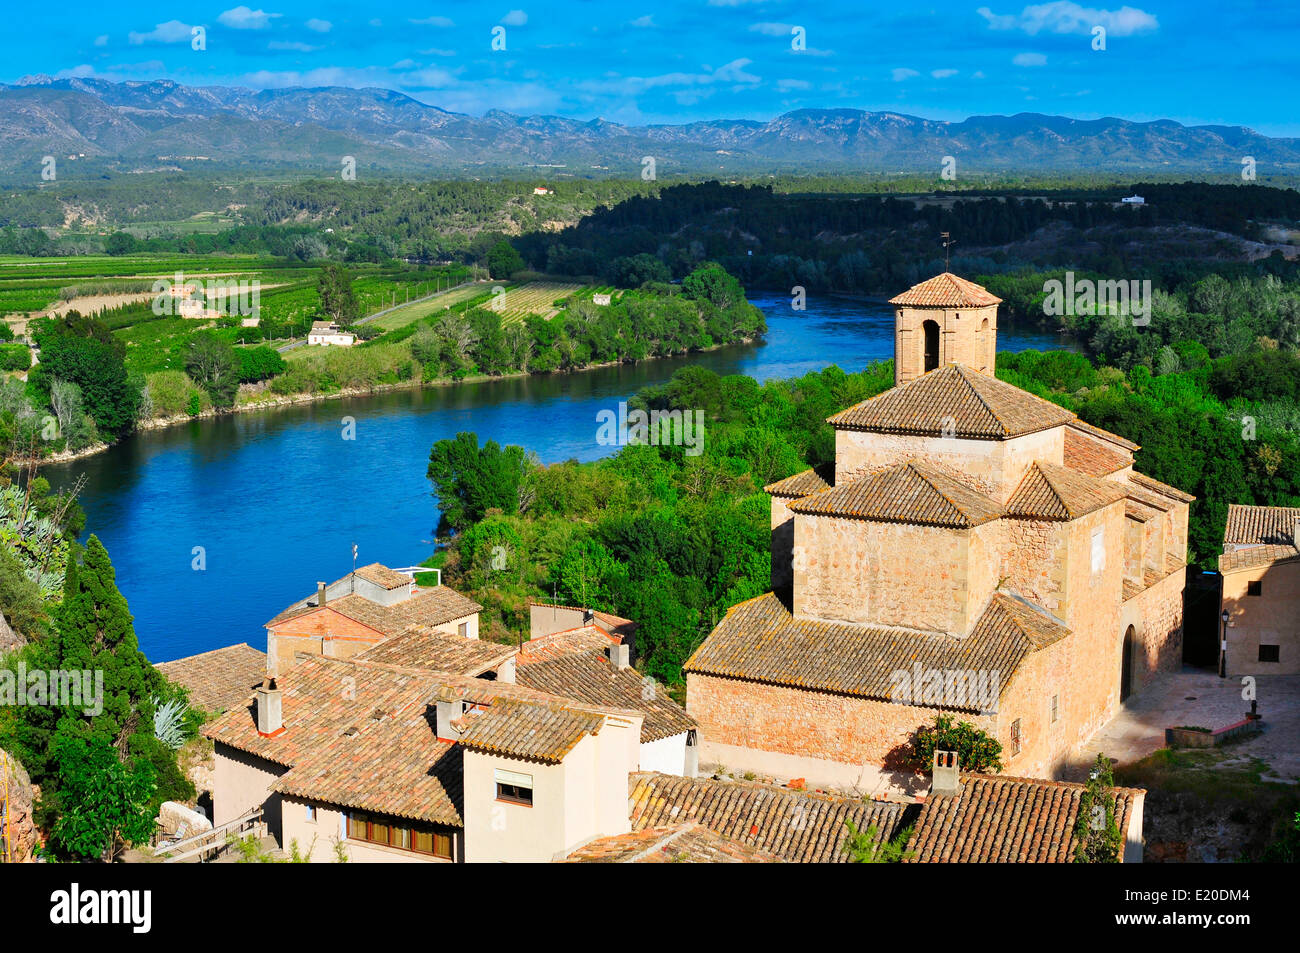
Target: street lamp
pixel 1223 647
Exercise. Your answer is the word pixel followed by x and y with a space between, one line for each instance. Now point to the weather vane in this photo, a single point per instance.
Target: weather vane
pixel 947 240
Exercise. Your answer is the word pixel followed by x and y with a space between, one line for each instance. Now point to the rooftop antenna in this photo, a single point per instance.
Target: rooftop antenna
pixel 947 240
pixel 354 567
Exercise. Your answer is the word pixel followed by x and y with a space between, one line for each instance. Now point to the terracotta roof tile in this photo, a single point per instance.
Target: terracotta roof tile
pixel 808 481
pixel 439 652
pixel 220 679
pixel 688 843
pixel 760 640
pixel 795 826
pixel 426 608
pixel 1151 483
pixel 1085 427
pixel 1261 524
pixel 1005 820
pixel 1254 557
pixel 907 493
pixel 382 576
pixel 1050 492
pixel 946 291
pixel 585 638
pixel 1093 457
pixel 591 677
pixel 954 401
pixel 533 730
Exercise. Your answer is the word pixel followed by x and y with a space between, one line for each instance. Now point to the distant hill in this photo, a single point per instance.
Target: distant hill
pixel 142 126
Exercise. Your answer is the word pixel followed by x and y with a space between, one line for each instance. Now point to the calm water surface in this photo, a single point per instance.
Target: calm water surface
pixel 277 498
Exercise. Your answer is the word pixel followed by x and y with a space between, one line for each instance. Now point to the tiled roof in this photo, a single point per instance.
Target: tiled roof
pixel 795 826
pixel 320 699
pixel 1156 501
pixel 533 730
pixel 427 607
pixel 220 679
pixel 1049 492
pixel 385 762
pixel 1085 427
pixel 1092 456
pixel 1136 511
pixel 1261 524
pixel 1254 557
pixel 688 843
pixel 954 401
pixel 566 642
pixel 906 493
pixel 946 291
pixel 440 652
pixel 1150 483
pixel 802 484
pixel 590 677
pixel 606 620
pixel 760 640
pixel 1005 820
pixel 382 576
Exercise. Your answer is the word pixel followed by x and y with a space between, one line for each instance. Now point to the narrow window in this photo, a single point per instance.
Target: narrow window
pixel 1055 707
pixel 1015 737
pixel 931 329
pixel 463 628
pixel 1255 587
pixel 311 813
pixel 1270 653
pixel 1098 551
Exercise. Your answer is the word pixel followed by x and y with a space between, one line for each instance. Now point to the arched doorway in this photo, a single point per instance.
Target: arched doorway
pixel 1126 673
pixel 931 329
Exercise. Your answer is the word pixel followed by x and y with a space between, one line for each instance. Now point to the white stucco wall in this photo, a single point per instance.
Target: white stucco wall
pixel 666 755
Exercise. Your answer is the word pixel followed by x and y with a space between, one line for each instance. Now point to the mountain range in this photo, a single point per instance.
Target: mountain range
pixel 159 124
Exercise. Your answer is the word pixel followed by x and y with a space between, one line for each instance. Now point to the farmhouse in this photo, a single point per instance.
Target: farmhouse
pixel 1260 566
pixel 973 549
pixel 329 334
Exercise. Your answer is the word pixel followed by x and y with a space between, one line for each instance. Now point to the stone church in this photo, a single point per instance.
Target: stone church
pixel 974 550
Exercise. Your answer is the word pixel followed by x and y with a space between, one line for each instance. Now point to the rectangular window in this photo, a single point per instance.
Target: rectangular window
pixel 513 787
pixel 1015 737
pixel 1098 551
pixel 404 835
pixel 1055 707
pixel 1255 587
pixel 1270 653
pixel 311 813
pixel 463 629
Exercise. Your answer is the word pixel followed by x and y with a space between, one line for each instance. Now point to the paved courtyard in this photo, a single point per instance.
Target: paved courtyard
pixel 1195 697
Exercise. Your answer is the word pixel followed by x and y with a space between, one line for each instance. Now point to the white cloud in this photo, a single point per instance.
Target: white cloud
pixel 319 26
pixel 646 21
pixel 943 73
pixel 434 21
pixel 771 29
pixel 1029 59
pixel 1064 16
pixel 242 18
pixel 515 18
pixel 173 31
pixel 101 40
pixel 291 46
pixel 786 85
pixel 435 51
pixel 903 73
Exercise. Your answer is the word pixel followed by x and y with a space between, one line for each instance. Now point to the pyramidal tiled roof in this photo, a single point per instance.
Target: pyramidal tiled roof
pixel 1051 492
pixel 804 482
pixel 912 492
pixel 954 401
pixel 761 640
pixel 946 291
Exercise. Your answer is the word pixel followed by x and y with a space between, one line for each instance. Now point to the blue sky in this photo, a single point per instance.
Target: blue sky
pixel 659 61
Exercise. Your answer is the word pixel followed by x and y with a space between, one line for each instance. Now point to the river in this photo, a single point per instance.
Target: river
pixel 268 502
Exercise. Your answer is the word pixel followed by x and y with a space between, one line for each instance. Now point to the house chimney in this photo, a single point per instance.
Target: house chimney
pixel 320 593
pixel 946 780
pixel 445 713
pixel 270 714
pixel 619 655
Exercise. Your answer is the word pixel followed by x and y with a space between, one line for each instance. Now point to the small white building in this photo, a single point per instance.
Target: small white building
pixel 543 190
pixel 1134 200
pixel 327 333
pixel 600 299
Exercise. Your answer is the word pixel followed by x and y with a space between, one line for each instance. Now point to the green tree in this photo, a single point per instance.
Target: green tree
pixel 503 261
pixel 976 750
pixel 213 364
pixel 468 479
pixel 866 846
pixel 1097 839
pixel 97 368
pixel 337 299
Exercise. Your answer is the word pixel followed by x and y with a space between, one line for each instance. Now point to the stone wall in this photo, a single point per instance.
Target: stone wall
pixel 19 825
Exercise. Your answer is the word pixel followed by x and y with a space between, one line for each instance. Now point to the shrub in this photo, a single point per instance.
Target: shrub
pixel 976 750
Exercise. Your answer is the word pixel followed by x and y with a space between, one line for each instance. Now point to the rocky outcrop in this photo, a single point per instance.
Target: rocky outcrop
pixel 18 836
pixel 9 639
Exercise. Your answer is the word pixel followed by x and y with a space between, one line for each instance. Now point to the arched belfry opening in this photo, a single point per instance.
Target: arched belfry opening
pixel 931 329
pixel 1126 673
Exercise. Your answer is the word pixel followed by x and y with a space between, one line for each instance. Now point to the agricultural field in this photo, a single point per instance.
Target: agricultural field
pixel 535 297
pixel 422 309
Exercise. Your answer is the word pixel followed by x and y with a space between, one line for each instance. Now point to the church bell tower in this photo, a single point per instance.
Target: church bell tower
pixel 946 320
